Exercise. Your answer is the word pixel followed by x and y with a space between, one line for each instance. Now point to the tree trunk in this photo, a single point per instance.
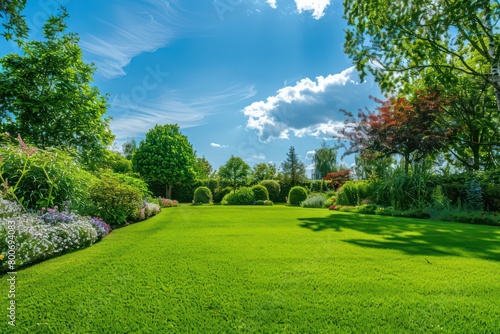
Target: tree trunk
pixel 494 57
pixel 168 191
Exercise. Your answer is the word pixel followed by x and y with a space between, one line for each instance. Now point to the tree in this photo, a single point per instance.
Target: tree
pixel 337 179
pixel 203 168
pixel 129 148
pixel 165 157
pixel 294 170
pixel 14 24
pixel 406 37
pixel 263 171
pixel 400 126
pixel 47 97
pixel 235 171
pixel 324 160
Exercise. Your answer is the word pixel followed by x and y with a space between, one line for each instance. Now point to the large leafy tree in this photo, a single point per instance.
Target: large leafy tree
pixel 15 27
pixel 324 160
pixel 165 157
pixel 263 171
pixel 294 170
pixel 46 95
pixel 235 172
pixel 409 128
pixel 407 37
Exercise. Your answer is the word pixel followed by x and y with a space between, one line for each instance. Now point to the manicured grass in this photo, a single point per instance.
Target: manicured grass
pixel 213 269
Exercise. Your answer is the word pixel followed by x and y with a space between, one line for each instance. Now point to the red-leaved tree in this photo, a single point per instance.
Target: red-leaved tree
pixel 337 179
pixel 410 128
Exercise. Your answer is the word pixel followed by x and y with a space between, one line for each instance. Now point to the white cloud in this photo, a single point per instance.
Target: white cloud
pixel 310 108
pixel 316 6
pixel 218 145
pixel 310 154
pixel 259 156
pixel 272 3
pixel 134 118
pixel 141 26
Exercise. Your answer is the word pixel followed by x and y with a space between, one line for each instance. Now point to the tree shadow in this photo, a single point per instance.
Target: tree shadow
pixel 413 236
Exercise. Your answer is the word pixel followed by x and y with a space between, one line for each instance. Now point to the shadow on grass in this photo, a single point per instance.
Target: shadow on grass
pixel 413 236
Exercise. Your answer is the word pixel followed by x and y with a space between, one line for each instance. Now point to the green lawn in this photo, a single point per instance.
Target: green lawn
pixel 214 269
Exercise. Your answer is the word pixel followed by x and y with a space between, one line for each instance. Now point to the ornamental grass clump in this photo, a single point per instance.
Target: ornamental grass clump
pixel 315 201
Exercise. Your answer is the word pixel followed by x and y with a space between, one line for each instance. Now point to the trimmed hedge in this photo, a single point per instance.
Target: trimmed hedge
pixel 202 195
pixel 260 193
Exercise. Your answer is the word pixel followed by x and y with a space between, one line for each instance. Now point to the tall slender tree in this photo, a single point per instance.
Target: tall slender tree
pixel 294 170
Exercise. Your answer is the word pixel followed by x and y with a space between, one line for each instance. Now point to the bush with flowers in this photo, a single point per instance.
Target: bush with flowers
pixel 168 203
pixel 43 235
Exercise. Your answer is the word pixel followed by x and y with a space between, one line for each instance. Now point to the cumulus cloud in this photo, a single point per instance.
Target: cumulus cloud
pixel 272 3
pixel 218 145
pixel 318 7
pixel 310 108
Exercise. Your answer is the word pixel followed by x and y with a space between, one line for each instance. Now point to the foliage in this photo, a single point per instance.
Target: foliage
pixel 203 168
pixel 165 157
pixel 114 200
pixel 129 148
pixel 147 210
pixel 294 170
pixel 478 218
pixel 264 202
pixel 314 201
pixel 14 23
pixel 354 192
pixel 219 193
pixel 134 182
pixel 404 191
pixel 39 237
pixel 235 172
pixel 260 192
pixel 263 171
pixel 46 95
pixel 335 180
pixel 474 195
pixel 408 38
pixel 242 196
pixel 296 195
pixel 273 188
pixel 168 203
pixel 324 160
pixel 399 126
pixel 202 195
pixel 41 178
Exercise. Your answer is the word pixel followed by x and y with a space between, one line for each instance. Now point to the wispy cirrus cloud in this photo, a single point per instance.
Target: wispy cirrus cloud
pixel 310 108
pixel 135 118
pixel 136 27
pixel 272 3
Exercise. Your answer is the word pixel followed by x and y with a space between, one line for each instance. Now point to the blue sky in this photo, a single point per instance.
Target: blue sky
pixel 243 77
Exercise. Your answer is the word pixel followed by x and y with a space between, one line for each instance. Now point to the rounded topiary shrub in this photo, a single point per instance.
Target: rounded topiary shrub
pixel 297 195
pixel 260 192
pixel 273 189
pixel 202 195
pixel 242 196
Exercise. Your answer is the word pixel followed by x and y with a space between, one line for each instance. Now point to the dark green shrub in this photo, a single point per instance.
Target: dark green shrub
pixel 354 192
pixel 297 195
pixel 114 200
pixel 417 213
pixel 273 188
pixel 479 218
pixel 260 192
pixel 220 193
pixel 265 202
pixel 132 181
pixel 242 196
pixel 202 195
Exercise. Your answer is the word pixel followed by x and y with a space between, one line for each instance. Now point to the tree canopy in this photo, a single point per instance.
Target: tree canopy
pixel 14 24
pixel 324 160
pixel 46 95
pixel 235 171
pixel 165 157
pixel 396 41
